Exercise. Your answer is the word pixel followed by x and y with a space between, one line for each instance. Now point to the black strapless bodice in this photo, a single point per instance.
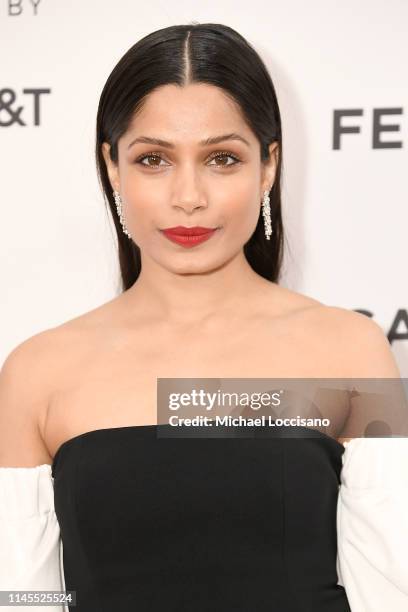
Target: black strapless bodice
pixel 227 524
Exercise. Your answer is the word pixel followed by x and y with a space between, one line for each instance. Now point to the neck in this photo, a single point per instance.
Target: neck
pixel 194 297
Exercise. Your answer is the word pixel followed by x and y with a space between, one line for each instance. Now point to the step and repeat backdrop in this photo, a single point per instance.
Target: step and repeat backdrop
pixel 339 69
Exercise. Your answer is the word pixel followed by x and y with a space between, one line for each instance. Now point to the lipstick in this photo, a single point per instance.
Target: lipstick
pixel 189 236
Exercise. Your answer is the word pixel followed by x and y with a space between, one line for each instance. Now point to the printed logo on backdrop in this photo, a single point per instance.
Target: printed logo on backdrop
pixel 376 130
pixel 22 7
pixel 11 110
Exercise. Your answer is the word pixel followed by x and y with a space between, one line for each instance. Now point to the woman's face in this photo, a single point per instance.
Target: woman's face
pixel 188 182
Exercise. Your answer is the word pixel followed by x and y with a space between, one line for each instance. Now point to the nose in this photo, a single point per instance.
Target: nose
pixel 186 195
pixel 189 206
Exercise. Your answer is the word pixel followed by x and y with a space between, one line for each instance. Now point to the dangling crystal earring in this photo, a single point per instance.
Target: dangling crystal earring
pixel 266 211
pixel 118 202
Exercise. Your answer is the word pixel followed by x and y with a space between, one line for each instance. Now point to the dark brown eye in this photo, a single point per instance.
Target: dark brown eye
pixel 157 158
pixel 225 156
pixel 150 156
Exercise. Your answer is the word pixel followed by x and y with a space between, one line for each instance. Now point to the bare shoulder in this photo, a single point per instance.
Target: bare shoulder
pixel 319 313
pixel 96 318
pixel 354 342
pixel 358 342
pixel 33 372
pixel 287 302
pixel 31 375
pixel 28 362
pixel 25 383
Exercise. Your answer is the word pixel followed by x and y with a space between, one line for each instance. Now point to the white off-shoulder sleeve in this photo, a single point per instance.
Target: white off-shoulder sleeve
pixel 30 543
pixel 372 524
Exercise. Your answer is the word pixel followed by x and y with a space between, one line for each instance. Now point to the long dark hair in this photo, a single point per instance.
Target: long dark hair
pixel 209 53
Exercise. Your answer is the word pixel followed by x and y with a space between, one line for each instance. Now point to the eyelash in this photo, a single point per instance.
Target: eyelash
pixel 214 156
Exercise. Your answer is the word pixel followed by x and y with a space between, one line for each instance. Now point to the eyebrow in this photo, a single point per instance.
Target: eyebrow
pixel 204 143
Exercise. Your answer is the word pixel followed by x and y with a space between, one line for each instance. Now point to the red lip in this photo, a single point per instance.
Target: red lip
pixel 189 236
pixel 180 230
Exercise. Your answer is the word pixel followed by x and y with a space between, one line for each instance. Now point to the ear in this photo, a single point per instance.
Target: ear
pixel 269 167
pixel 111 167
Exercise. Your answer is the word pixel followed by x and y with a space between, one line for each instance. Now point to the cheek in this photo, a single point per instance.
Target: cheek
pixel 244 210
pixel 143 206
pixel 139 216
pixel 244 190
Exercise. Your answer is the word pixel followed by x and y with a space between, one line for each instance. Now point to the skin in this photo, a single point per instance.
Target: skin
pixel 195 313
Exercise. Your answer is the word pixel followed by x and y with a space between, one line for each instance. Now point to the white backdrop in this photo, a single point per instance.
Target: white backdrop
pixel 344 209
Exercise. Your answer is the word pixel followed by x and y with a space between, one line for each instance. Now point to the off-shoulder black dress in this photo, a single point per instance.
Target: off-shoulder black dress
pixel 244 522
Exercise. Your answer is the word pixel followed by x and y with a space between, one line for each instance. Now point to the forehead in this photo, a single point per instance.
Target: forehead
pixel 190 112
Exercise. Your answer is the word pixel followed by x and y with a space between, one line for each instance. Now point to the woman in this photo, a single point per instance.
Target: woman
pixel 189 154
